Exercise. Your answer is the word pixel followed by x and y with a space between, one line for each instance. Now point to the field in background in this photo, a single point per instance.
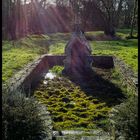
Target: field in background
pixel 16 54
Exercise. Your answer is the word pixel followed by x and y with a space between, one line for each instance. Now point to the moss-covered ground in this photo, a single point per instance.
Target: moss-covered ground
pixel 78 106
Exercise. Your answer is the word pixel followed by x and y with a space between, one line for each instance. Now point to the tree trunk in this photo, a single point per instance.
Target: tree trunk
pixel 109 27
pixel 133 19
pixel 119 11
pixel 109 30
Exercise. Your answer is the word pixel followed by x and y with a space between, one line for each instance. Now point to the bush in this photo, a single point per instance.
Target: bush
pixel 125 119
pixel 57 70
pixel 20 118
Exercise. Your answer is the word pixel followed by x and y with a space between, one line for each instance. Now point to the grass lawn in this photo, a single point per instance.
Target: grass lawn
pixel 15 55
pixel 126 50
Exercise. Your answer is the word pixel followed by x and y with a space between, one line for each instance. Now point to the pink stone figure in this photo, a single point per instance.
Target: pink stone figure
pixel 77 50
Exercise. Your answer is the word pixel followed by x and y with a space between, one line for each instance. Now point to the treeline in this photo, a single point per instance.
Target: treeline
pixel 22 17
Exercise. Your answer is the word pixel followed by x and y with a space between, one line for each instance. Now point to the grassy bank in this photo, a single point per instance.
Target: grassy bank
pixel 126 50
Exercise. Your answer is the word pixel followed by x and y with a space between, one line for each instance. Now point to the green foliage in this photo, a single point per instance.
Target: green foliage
pixel 123 33
pixel 125 118
pixel 59 37
pixel 57 70
pixel 20 117
pixel 57 48
pixel 95 33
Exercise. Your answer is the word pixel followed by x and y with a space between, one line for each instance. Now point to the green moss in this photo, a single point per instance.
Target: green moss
pixel 70 109
pixel 57 70
pixel 57 48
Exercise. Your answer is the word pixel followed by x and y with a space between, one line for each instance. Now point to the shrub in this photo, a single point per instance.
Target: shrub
pixel 21 118
pixel 57 70
pixel 125 119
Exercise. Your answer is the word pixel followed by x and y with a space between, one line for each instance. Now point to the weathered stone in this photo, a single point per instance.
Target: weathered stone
pixel 56 133
pixel 130 79
pixel 73 137
pixel 95 138
pixel 72 132
pixel 77 63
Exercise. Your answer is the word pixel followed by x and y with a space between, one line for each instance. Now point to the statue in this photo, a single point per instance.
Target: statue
pixel 77 50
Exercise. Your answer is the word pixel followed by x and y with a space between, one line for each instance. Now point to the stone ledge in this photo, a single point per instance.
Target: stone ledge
pixel 130 79
pixel 98 61
pixel 72 137
pixel 93 132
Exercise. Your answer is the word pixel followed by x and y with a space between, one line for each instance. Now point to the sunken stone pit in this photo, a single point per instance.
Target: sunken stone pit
pixel 78 63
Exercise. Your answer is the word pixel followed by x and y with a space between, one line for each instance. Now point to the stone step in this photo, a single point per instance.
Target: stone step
pixel 81 135
pixel 82 138
pixel 79 132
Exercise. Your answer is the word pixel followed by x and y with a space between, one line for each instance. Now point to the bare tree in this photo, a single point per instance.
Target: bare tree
pixel 21 17
pixel 108 10
pixel 133 18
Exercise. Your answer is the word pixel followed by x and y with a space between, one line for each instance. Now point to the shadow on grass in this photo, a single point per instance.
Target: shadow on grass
pixel 120 43
pixel 102 89
pixel 124 43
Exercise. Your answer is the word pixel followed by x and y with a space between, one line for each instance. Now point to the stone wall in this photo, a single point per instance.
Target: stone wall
pixel 95 134
pixel 98 61
pixel 105 62
pixel 29 76
pixel 129 78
